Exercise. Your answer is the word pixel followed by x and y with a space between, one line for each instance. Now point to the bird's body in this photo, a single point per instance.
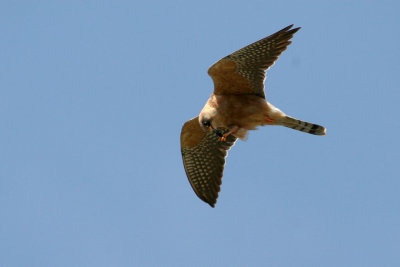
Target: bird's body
pixel 237 105
pixel 245 112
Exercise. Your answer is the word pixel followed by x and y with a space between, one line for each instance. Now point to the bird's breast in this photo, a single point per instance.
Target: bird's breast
pixel 245 111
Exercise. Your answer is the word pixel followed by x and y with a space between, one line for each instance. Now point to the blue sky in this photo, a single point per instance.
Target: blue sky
pixel 93 95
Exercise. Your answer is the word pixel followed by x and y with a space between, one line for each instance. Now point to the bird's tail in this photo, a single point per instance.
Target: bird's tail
pixel 302 126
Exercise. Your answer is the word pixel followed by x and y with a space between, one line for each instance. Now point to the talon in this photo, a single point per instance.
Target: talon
pixel 223 137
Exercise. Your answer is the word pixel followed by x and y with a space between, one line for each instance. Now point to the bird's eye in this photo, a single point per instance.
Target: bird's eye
pixel 206 123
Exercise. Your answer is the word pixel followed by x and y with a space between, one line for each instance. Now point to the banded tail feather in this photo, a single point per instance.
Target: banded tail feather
pixel 303 126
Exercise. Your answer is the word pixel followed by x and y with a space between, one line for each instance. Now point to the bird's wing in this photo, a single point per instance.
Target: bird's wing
pixel 243 72
pixel 204 159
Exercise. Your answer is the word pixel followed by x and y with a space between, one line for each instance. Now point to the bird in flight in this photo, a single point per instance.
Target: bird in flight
pixel 237 105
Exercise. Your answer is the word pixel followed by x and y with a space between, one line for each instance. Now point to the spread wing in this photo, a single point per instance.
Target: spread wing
pixel 204 159
pixel 243 72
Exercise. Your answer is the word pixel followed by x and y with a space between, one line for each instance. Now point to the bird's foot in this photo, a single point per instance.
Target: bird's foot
pixel 223 138
pixel 231 131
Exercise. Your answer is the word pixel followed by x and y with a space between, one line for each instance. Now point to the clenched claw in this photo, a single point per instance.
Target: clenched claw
pixel 223 137
pixel 234 129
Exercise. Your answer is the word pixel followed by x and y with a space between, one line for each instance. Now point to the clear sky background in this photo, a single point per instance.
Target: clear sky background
pixel 93 95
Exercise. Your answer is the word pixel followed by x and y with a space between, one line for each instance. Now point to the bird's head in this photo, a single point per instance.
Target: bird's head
pixel 206 123
pixel 207 115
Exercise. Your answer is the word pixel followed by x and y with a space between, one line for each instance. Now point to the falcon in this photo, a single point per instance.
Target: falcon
pixel 237 105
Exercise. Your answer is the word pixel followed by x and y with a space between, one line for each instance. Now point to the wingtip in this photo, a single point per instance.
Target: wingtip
pixel 211 202
pixel 296 29
pixel 289 29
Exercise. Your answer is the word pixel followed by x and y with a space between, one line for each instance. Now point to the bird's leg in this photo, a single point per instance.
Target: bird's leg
pixel 269 120
pixel 231 131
